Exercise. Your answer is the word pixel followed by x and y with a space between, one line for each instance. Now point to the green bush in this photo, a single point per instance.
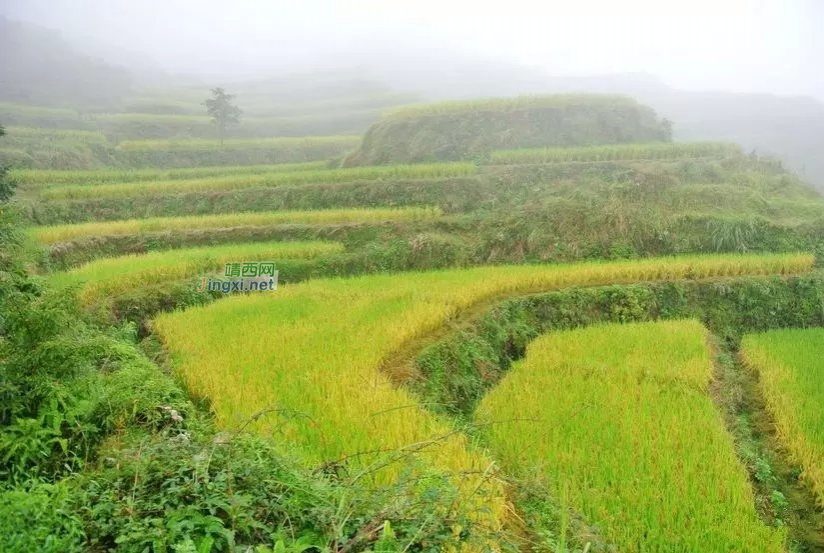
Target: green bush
pixel 39 519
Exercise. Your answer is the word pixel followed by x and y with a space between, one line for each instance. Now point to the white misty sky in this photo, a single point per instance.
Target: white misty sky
pixel 738 45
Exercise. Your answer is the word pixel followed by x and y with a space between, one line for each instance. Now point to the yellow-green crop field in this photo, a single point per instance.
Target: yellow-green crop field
pixel 790 365
pixel 62 233
pixel 45 136
pixel 449 107
pixel 611 418
pixel 35 178
pixel 346 142
pixel 235 182
pixel 314 350
pixel 615 152
pixel 103 278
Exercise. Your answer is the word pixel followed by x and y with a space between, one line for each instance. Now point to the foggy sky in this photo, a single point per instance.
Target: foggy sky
pixel 735 45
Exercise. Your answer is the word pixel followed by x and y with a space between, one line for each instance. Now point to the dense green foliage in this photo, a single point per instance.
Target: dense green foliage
pixel 461 130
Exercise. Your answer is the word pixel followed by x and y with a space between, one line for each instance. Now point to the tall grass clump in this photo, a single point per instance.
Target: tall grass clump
pixel 237 182
pixel 62 233
pixel 617 420
pixel 791 377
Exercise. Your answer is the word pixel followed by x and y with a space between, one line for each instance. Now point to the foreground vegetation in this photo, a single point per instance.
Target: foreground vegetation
pixel 789 365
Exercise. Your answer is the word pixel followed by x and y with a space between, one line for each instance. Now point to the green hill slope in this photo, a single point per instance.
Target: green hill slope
pixel 459 130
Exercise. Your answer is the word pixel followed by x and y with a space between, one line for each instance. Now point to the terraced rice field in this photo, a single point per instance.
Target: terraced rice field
pixel 611 417
pixel 446 108
pixel 320 364
pixel 790 367
pixel 103 278
pixel 44 136
pixel 616 152
pixel 40 178
pixel 61 233
pixel 200 144
pixel 236 182
pixel 304 366
pixel 615 422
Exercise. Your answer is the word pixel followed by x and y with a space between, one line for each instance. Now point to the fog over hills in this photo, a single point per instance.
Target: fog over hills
pixel 761 94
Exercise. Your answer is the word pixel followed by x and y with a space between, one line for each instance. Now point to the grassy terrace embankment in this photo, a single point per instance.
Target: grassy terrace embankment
pixel 43 178
pixel 102 279
pixel 136 227
pixel 560 211
pixel 615 152
pixel 249 151
pixel 732 185
pixel 239 182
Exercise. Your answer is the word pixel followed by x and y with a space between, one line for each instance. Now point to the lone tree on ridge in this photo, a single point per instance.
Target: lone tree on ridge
pixel 223 111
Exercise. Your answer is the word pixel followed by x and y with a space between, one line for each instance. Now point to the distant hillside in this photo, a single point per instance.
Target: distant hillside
pixel 461 130
pixel 39 67
pixel 789 127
